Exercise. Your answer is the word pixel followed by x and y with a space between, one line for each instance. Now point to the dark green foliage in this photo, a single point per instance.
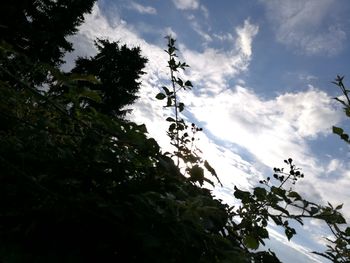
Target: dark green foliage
pixel 118 69
pixel 39 28
pixel 181 134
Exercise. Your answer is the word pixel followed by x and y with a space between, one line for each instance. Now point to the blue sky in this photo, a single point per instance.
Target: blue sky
pixel 261 72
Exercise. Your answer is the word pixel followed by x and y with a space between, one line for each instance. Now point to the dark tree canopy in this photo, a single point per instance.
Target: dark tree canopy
pixel 39 27
pixel 118 68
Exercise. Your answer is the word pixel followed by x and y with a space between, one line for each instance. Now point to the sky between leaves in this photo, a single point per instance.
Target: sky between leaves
pixel 261 71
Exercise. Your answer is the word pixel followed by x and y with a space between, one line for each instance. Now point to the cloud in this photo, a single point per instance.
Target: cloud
pixel 306 25
pixel 198 28
pixel 212 68
pixel 334 165
pixel 309 112
pixel 245 37
pixel 205 11
pixel 291 252
pixel 269 129
pixel 142 9
pixel 186 4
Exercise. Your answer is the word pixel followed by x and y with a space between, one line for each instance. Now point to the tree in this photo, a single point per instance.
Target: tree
pixel 39 28
pixel 118 69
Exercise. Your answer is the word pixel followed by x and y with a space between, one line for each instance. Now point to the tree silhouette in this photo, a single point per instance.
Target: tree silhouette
pixel 39 27
pixel 118 68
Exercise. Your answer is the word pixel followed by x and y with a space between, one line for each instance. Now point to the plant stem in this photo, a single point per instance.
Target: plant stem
pixel 177 142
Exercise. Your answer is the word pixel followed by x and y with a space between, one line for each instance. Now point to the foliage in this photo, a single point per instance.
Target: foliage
pixel 118 69
pixel 274 202
pixel 181 135
pixel 338 248
pixel 346 106
pixel 39 28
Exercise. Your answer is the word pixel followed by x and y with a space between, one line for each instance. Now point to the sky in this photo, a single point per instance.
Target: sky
pixel 262 72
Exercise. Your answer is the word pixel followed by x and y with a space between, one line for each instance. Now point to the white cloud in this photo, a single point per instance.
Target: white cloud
pixel 142 9
pixel 306 25
pixel 223 36
pixel 269 129
pixel 245 37
pixel 293 252
pixel 198 28
pixel 333 165
pixel 168 31
pixel 310 113
pixel 186 4
pixel 205 11
pixel 212 68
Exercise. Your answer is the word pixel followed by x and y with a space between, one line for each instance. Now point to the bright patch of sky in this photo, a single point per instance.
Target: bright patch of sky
pixel 261 72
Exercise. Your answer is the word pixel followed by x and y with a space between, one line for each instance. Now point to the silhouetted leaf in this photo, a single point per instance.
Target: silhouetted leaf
pixel 251 242
pixel 181 106
pixel 160 96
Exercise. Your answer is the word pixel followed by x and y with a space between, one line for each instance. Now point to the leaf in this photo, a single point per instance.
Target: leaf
pixel 160 96
pixel 263 233
pixel 142 128
pixel 181 106
pixel 188 83
pixel 278 191
pixel 170 119
pixel 313 210
pixel 197 174
pixel 260 193
pixel 290 232
pixel 209 181
pixel 172 127
pixel 169 102
pixel 166 90
pixel 347 112
pixel 339 207
pixel 281 209
pixel 242 195
pixel 347 231
pixel 251 242
pixel 344 136
pixel 210 168
pixel 180 127
pixel 277 219
pixel 337 130
pixel 180 82
pixel 212 171
pixel 294 195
